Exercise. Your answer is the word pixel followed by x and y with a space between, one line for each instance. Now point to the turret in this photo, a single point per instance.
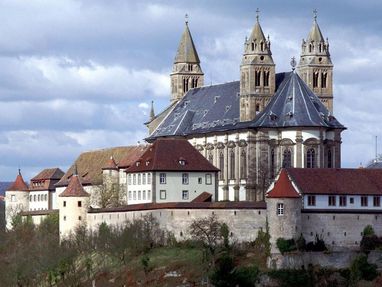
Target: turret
pixel 16 199
pixel 73 203
pixel 186 73
pixel 257 80
pixel 315 66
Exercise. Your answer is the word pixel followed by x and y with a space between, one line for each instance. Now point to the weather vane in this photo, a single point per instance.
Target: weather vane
pixel 293 63
pixel 257 14
pixel 315 14
pixel 186 18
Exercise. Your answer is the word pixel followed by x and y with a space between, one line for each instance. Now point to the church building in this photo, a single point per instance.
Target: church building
pixel 251 128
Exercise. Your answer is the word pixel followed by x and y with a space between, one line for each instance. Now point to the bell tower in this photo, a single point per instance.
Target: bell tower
pixel 186 72
pixel 315 66
pixel 257 79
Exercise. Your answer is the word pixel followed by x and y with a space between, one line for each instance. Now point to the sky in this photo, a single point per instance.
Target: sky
pixel 80 75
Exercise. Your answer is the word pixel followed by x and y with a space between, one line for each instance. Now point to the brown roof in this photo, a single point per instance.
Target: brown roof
pixel 203 197
pixel 89 164
pixel 185 205
pixel 110 164
pixel 49 173
pixel 166 154
pixel 19 184
pixel 337 181
pixel 132 155
pixel 283 187
pixel 74 188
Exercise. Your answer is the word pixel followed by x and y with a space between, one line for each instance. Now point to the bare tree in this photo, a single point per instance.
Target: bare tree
pixel 106 195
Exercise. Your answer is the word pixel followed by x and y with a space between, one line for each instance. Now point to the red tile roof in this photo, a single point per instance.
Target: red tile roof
pixel 337 181
pixel 46 179
pixel 133 155
pixel 19 184
pixel 74 188
pixel 49 173
pixel 110 164
pixel 167 154
pixel 283 187
pixel 203 197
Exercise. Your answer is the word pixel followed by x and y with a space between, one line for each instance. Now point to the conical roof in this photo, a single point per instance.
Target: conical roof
pixel 74 188
pixel 295 105
pixel 315 34
pixel 19 184
pixel 186 51
pixel 257 33
pixel 110 164
pixel 283 187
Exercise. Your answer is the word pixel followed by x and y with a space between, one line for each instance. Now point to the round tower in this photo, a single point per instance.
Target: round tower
pixel 16 199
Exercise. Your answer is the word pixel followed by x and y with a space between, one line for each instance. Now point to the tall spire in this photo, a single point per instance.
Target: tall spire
pixel 315 34
pixel 186 50
pixel 152 114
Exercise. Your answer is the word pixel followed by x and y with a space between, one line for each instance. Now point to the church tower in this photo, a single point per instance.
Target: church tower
pixel 186 72
pixel 315 66
pixel 257 80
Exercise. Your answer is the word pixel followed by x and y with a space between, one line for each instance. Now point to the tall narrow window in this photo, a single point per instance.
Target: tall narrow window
pixel 266 78
pixel 310 158
pixel 311 200
pixel 315 79
pixel 377 201
pixel 185 85
pixel 211 157
pixel 310 48
pixel 330 160
pixel 332 200
pixel 280 209
pixel 257 109
pixel 232 164
pixel 272 163
pixel 253 46
pixel 162 178
pixel 243 164
pixel 221 165
pixel 149 178
pixel 287 158
pixel 323 80
pixel 342 200
pixel 262 46
pixel 185 178
pixel 364 201
pixel 257 78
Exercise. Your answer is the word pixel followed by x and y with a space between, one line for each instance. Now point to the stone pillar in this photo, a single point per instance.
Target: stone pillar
pixel 236 189
pixel 226 166
pixel 337 148
pixel 237 168
pixel 251 166
pixel 299 149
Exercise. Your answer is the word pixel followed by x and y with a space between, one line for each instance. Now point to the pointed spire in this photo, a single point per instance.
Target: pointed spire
pixel 315 34
pixel 186 51
pixel 19 183
pixel 152 114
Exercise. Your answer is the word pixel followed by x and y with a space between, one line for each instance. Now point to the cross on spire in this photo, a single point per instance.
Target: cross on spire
pixel 293 63
pixel 257 14
pixel 315 14
pixel 186 18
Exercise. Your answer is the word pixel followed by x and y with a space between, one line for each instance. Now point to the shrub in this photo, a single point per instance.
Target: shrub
pixel 361 269
pixel 246 276
pixel 285 245
pixel 292 278
pixel 317 245
pixel 369 243
pixel 300 243
pixel 368 231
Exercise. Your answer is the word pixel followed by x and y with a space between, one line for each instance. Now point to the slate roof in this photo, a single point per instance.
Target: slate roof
pixel 89 164
pixel 186 51
pixel 19 184
pixel 375 164
pixel 217 108
pixel 283 187
pixel 75 188
pixel 166 154
pixel 360 181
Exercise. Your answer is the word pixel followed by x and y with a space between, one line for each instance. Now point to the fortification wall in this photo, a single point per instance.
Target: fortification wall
pixel 243 224
pixel 339 229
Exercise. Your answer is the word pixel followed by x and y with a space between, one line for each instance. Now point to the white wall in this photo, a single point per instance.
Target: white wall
pixel 322 202
pixel 134 190
pixel 15 202
pixel 39 200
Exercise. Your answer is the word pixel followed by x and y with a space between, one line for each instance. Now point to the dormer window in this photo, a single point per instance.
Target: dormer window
pixel 182 161
pixel 147 162
pixel 137 163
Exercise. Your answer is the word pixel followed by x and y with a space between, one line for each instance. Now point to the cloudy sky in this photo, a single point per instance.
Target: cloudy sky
pixel 80 75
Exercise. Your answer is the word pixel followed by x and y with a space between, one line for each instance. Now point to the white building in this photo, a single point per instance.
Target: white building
pixel 171 170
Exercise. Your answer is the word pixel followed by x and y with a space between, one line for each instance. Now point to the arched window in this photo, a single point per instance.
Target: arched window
pixel 221 165
pixel 211 157
pixel 272 163
pixel 232 164
pixel 323 80
pixel 243 164
pixel 257 108
pixel 287 158
pixel 257 78
pixel 185 85
pixel 262 46
pixel 310 48
pixel 266 78
pixel 330 159
pixel 196 83
pixel 311 158
pixel 253 46
pixel 315 79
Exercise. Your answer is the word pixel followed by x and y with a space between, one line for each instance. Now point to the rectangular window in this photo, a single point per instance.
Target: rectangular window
pixel 64 218
pixel 149 194
pixel 134 179
pixel 185 178
pixel 144 178
pixel 342 200
pixel 79 203
pixel 162 178
pixel 208 178
pixel 200 180
pixel 79 218
pixel 364 201
pixel 139 178
pixel 139 195
pixel 144 195
pixel 129 194
pixel 311 200
pixel 351 200
pixel 162 194
pixel 64 203
pixel 129 179
pixel 280 209
pixel 13 198
pixel 185 194
pixel 149 178
pixel 332 200
pixel 376 201
pixel 135 195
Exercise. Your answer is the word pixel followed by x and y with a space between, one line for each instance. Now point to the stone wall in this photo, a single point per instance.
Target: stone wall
pixel 243 224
